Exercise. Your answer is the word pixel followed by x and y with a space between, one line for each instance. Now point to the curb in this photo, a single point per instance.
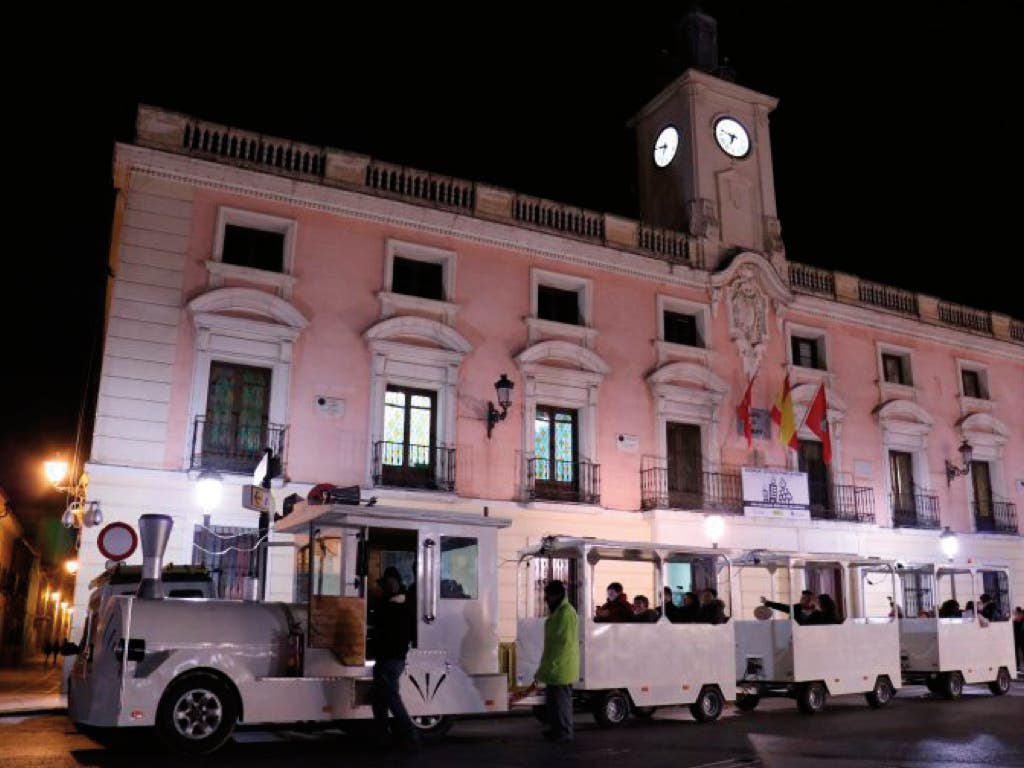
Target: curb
pixel 33 711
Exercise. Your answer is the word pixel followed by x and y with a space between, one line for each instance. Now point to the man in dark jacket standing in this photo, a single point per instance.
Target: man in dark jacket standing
pixel 393 631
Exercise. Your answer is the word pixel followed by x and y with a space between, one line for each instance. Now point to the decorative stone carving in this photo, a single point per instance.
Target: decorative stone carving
pixel 747 318
pixel 702 217
pixel 772 235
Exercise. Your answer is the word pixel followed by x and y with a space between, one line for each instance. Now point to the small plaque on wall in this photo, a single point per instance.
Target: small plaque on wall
pixel 627 443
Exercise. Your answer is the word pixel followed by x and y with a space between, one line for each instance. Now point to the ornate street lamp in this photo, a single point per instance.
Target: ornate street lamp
pixel 953 471
pixel 79 511
pixel 504 389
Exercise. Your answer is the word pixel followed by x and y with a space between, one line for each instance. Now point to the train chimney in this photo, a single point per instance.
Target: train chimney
pixel 154 530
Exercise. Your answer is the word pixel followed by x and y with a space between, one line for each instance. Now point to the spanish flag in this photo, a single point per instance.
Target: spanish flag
pixel 782 415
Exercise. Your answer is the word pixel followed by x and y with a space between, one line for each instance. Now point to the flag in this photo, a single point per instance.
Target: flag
pixel 782 415
pixel 817 421
pixel 743 411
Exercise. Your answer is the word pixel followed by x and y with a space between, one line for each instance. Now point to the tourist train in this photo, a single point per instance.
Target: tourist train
pixel 194 668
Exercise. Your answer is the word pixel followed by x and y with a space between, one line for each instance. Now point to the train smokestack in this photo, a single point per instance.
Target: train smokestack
pixel 155 531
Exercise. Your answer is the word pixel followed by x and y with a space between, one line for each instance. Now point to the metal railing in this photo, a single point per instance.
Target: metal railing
pixel 965 317
pixel 414 466
pixel 995 517
pixel 578 481
pixel 228 445
pixel 887 297
pixel 808 279
pixel 848 503
pixel 720 491
pixel 914 510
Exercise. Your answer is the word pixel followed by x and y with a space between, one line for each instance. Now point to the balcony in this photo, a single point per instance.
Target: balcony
pixel 228 446
pixel 578 481
pixel 426 467
pixel 844 503
pixel 719 491
pixel 914 510
pixel 995 517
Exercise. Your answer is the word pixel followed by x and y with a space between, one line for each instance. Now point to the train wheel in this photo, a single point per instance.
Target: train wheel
pixel 881 694
pixel 951 684
pixel 1001 684
pixel 432 727
pixel 709 705
pixel 748 702
pixel 610 708
pixel 197 713
pixel 811 698
pixel 644 712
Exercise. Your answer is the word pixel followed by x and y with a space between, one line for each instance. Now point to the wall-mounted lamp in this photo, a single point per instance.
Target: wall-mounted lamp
pixel 950 543
pixel 953 471
pixel 80 511
pixel 504 389
pixel 714 527
pixel 209 488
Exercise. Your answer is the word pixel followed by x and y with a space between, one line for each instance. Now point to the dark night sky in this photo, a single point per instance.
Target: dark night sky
pixel 891 143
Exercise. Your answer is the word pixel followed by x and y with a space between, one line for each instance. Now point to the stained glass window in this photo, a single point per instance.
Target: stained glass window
pixel 554 445
pixel 236 413
pixel 542 445
pixel 408 428
pixel 563 447
pixel 394 428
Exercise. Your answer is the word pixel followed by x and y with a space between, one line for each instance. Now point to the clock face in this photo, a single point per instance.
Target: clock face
pixel 665 146
pixel 732 137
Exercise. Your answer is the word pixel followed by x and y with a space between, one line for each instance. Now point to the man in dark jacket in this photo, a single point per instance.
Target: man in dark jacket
pixel 712 610
pixel 392 631
pixel 617 608
pixel 801 612
pixel 989 608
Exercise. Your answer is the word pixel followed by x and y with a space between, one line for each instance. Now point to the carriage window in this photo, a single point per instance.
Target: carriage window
pixel 459 556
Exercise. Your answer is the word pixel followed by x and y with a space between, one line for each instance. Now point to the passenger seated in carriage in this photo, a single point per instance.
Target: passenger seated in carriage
pixel 950 610
pixel 827 613
pixel 801 612
pixel 689 610
pixel 642 612
pixel 668 606
pixel 712 610
pixel 617 608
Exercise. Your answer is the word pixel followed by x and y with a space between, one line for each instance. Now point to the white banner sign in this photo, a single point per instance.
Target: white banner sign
pixel 775 493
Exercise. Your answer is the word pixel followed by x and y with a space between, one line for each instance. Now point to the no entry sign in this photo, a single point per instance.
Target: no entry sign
pixel 117 541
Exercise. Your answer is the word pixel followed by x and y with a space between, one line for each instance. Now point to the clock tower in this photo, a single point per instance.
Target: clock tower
pixel 704 156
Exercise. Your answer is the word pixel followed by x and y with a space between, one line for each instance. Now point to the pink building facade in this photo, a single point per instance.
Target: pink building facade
pixel 355 315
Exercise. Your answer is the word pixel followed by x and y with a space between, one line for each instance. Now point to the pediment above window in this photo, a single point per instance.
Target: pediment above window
pixel 984 429
pixel 904 417
pixel 413 332
pixel 563 358
pixel 248 303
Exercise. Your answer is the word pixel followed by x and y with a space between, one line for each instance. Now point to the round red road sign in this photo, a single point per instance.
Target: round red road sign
pixel 117 541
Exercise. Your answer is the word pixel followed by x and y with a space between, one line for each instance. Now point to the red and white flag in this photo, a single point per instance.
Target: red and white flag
pixel 817 421
pixel 743 411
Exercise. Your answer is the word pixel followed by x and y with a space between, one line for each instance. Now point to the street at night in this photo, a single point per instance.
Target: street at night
pixel 915 730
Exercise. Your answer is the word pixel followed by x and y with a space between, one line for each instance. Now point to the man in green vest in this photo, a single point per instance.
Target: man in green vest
pixel 559 664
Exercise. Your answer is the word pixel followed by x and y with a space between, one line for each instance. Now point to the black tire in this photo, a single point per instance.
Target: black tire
pixel 1001 685
pixel 709 705
pixel 197 713
pixel 811 698
pixel 645 713
pixel 610 708
pixel 951 685
pixel 432 727
pixel 748 702
pixel 882 693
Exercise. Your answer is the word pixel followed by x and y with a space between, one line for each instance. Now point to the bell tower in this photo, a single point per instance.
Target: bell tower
pixel 704 155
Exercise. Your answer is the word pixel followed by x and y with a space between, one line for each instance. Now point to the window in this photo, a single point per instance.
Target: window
pixel 555 444
pixel 974 383
pixel 406 454
pixel 917 594
pixel 254 248
pixel 997 585
pixel 901 471
pixel 235 430
pixel 558 304
pixel 683 458
pixel 806 353
pixel 981 484
pixel 459 556
pixel 682 329
pixel 412 277
pixel 896 369
pixel 811 460
pixel 229 554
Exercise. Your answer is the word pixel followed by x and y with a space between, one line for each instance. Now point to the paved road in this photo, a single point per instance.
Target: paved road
pixel 915 731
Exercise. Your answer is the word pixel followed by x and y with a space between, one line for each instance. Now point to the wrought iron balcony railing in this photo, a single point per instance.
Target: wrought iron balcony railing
pixel 848 503
pixel 431 467
pixel 229 445
pixel 914 510
pixel 578 481
pixel 720 491
pixel 995 517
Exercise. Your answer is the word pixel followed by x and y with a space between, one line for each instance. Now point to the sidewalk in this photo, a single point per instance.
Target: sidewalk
pixel 30 688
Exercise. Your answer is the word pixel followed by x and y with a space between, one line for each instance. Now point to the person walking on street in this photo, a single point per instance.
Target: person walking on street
pixel 559 664
pixel 393 631
pixel 47 650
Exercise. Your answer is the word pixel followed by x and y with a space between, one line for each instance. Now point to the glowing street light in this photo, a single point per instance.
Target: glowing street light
pixel 950 543
pixel 71 566
pixel 714 527
pixel 56 470
pixel 208 490
pixel 55 595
